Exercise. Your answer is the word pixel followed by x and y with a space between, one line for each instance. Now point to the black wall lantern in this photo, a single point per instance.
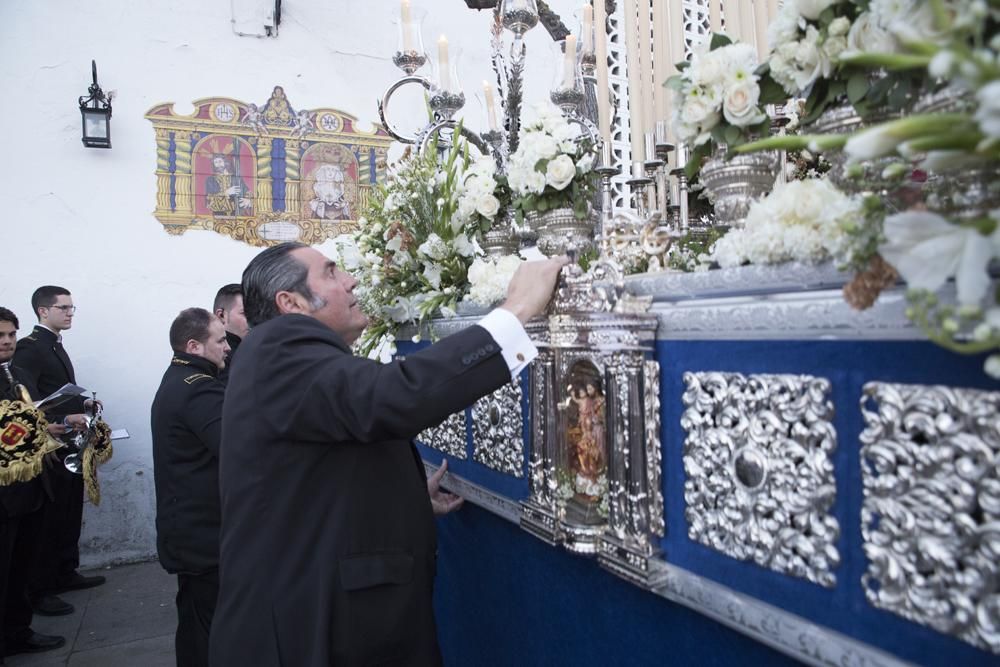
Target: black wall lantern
pixel 96 112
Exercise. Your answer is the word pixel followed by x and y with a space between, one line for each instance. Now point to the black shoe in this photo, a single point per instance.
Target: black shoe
pixel 33 643
pixel 76 581
pixel 50 605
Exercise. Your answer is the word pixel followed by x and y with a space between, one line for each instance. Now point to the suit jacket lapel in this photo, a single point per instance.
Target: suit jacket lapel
pixel 64 358
pixel 44 334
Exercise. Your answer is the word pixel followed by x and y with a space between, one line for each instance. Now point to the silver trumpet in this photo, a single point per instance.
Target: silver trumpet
pixel 81 440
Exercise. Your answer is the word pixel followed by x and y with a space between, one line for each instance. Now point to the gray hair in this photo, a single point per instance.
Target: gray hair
pixel 274 270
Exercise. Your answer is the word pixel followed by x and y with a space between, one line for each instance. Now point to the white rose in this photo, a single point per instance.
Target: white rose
pixel 740 104
pixel 867 35
pixel 811 9
pixel 487 206
pixel 545 146
pixel 839 26
pixel 696 109
pixel 559 172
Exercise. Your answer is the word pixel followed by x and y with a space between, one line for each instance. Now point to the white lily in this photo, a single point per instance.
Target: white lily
pixel 884 139
pixel 926 249
pixel 988 113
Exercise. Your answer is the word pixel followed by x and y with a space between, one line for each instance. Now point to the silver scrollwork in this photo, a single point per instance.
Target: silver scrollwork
pixel 497 426
pixel 760 481
pixel 930 519
pixel 654 453
pixel 448 437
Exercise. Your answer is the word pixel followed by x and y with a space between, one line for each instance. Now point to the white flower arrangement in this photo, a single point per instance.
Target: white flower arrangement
pixel 718 88
pixel 803 221
pixel 414 246
pixel 478 193
pixel 804 48
pixel 552 167
pixel 489 278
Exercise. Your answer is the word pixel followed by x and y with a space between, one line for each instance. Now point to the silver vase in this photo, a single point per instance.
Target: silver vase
pixel 970 189
pixel 560 231
pixel 964 193
pixel 738 182
pixel 949 99
pixel 500 240
pixel 862 177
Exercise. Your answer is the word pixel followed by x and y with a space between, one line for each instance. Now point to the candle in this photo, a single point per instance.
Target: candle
pixel 675 24
pixel 569 62
pixel 760 23
pixel 715 15
pixel 491 111
pixel 662 68
pixel 747 32
pixel 631 37
pixel 646 66
pixel 603 87
pixel 588 29
pixel 443 74
pixel 772 10
pixel 406 22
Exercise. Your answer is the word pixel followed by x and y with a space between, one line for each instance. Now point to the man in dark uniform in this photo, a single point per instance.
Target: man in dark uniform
pixel 228 307
pixel 328 540
pixel 186 421
pixel 20 509
pixel 42 357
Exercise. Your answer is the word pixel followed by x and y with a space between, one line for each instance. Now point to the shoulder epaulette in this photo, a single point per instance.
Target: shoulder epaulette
pixel 191 379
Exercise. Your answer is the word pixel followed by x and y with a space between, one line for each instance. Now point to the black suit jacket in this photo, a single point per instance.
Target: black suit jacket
pixel 46 363
pixel 19 498
pixel 186 421
pixel 328 542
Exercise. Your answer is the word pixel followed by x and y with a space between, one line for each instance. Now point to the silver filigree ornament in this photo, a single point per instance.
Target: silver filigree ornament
pixel 497 425
pixel 760 481
pixel 930 519
pixel 595 450
pixel 448 437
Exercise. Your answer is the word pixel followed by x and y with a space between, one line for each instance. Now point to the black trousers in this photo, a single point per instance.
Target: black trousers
pixel 196 598
pixel 59 541
pixel 18 543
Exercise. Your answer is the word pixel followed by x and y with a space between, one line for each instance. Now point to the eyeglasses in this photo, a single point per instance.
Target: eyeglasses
pixel 66 309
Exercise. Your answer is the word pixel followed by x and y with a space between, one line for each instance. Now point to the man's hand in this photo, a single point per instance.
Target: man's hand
pixel 77 422
pixel 56 429
pixel 531 287
pixel 91 403
pixel 442 501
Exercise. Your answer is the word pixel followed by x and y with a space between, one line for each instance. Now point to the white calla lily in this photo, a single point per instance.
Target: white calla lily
pixel 926 249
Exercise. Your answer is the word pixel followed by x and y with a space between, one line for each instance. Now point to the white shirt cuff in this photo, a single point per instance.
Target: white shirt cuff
pixel 508 332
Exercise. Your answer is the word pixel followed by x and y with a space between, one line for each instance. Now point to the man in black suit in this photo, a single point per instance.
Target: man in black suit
pixel 328 540
pixel 186 421
pixel 228 307
pixel 20 508
pixel 42 357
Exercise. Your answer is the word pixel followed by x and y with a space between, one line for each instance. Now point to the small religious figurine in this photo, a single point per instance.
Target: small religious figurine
pixel 588 436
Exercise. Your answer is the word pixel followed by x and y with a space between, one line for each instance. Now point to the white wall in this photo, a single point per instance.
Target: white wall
pixel 82 218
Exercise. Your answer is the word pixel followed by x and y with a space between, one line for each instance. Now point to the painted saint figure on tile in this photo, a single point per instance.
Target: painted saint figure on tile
pixel 330 201
pixel 224 188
